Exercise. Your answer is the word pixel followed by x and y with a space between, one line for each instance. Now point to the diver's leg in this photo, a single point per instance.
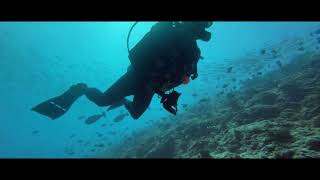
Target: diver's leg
pixel 121 88
pixel 95 95
pixel 141 101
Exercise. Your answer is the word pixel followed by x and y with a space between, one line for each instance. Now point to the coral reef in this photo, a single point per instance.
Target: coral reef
pixel 275 116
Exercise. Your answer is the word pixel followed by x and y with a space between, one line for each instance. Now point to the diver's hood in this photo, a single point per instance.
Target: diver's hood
pixel 205 24
pixel 203 34
pixel 199 28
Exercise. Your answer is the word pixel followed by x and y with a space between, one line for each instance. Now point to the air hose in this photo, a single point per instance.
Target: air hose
pixel 130 34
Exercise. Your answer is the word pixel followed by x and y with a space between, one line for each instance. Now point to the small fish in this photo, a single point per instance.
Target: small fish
pixel 279 64
pixel 263 52
pixel 35 132
pixel 120 117
pixel 259 73
pixel 80 141
pixel 220 93
pixel 103 125
pixel 99 134
pixel 194 94
pixel 113 132
pixel 71 153
pixel 300 43
pixel 81 117
pixel 5 33
pixel 204 100
pixel 229 70
pixel 99 145
pixel 58 58
pixel 300 49
pixel 95 118
pixel 225 85
pixel 184 105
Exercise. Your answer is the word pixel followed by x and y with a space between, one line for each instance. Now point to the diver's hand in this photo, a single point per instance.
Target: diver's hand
pixel 194 76
pixel 166 102
pixel 164 98
pixel 170 108
pixel 170 102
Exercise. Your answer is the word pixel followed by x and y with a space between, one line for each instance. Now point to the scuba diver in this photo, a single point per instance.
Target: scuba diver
pixel 163 59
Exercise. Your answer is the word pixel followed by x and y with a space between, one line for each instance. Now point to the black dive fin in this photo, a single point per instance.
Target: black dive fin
pixel 57 106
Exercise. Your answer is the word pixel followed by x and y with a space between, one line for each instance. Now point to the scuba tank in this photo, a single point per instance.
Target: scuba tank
pixel 153 51
pixel 174 23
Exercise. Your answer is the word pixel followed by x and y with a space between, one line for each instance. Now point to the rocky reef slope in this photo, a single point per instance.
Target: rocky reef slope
pixel 273 116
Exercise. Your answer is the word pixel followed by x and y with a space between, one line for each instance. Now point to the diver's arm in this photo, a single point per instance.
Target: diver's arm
pixel 159 92
pixel 194 65
pixel 194 73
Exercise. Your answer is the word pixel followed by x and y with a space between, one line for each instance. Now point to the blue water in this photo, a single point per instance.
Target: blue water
pixel 39 60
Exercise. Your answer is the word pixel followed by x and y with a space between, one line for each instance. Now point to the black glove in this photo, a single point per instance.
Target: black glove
pixel 194 76
pixel 170 102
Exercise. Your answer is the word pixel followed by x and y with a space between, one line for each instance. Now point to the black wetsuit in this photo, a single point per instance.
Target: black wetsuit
pixel 163 56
